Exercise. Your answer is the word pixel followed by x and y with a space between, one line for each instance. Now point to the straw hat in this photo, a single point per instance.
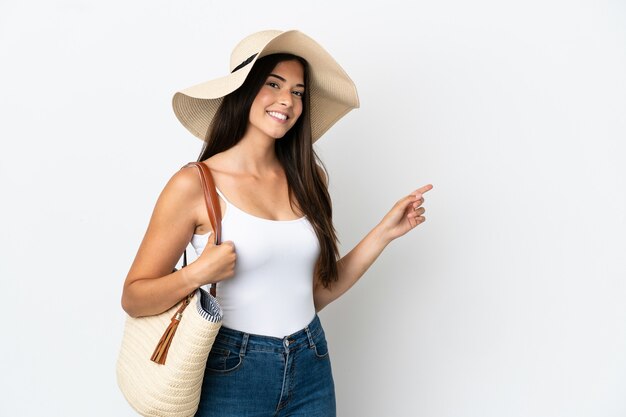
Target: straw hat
pixel 332 93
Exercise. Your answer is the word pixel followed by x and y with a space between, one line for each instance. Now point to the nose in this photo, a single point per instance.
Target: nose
pixel 285 98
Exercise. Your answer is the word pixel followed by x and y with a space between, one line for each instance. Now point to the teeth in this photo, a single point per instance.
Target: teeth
pixel 277 115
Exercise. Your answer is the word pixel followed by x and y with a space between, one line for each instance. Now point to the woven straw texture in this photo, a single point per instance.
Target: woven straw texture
pixel 172 389
pixel 332 92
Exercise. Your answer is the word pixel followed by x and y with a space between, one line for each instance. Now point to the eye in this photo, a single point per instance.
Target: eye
pixel 299 93
pixel 272 84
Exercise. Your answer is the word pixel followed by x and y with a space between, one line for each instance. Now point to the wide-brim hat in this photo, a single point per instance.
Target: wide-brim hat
pixel 332 93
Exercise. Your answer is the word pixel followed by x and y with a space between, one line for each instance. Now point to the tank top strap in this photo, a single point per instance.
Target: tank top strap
pixel 222 195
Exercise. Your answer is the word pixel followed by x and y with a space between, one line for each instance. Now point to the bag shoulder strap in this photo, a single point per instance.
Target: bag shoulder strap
pixel 213 208
pixel 211 199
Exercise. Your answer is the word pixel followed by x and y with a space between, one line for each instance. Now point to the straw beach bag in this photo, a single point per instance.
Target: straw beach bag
pixel 161 362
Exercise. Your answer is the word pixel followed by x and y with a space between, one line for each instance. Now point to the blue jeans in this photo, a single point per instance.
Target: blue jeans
pixel 254 375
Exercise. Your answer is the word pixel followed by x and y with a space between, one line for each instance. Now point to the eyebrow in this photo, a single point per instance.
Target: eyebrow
pixel 284 80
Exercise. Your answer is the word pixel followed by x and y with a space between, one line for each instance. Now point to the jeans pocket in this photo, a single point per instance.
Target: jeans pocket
pixel 321 347
pixel 223 360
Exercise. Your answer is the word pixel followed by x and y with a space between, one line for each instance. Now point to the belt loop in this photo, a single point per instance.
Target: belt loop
pixel 244 344
pixel 308 334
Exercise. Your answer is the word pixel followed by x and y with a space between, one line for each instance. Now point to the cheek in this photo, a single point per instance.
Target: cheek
pixel 261 99
pixel 298 108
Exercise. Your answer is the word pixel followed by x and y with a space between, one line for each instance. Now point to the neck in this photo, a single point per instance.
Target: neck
pixel 255 154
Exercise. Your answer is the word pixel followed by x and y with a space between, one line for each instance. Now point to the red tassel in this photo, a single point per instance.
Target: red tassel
pixel 160 352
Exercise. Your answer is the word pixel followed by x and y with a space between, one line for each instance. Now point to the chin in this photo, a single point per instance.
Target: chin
pixel 278 135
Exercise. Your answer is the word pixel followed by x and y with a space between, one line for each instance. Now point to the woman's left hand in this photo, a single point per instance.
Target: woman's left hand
pixel 405 215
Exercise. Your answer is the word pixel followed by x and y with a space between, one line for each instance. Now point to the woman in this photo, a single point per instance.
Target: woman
pixel 277 265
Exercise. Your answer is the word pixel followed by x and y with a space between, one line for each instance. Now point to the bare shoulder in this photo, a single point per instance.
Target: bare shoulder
pixel 184 191
pixel 219 164
pixel 180 198
pixel 184 183
pixel 222 171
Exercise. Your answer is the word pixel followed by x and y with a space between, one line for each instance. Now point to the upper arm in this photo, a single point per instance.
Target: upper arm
pixel 171 227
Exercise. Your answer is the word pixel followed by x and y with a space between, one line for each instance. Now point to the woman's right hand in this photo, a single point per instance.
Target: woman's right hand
pixel 215 263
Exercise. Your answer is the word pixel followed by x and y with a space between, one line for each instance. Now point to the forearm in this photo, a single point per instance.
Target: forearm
pixel 351 267
pixel 148 296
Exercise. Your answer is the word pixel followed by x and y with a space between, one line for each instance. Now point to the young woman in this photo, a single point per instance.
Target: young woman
pixel 278 263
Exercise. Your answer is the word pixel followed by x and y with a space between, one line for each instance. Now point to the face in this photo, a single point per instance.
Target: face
pixel 278 104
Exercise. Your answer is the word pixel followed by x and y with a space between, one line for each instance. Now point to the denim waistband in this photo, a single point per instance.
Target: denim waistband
pixel 242 341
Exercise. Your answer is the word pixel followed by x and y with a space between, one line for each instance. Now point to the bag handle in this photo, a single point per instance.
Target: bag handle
pixel 213 209
pixel 210 198
pixel 212 206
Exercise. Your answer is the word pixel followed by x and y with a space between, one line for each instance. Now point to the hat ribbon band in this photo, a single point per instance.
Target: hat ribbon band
pixel 244 63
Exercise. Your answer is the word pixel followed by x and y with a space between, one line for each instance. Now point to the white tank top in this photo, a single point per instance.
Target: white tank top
pixel 271 292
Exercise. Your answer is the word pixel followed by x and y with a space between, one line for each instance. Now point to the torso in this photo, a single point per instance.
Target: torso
pixel 271 291
pixel 267 198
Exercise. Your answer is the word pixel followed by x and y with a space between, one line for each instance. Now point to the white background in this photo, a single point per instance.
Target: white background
pixel 508 301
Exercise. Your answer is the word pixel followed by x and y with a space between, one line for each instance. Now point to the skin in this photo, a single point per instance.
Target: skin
pixel 251 177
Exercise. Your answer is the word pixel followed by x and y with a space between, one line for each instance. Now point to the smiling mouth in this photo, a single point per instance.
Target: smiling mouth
pixel 279 116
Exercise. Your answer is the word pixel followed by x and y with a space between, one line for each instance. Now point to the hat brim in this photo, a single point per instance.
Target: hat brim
pixel 331 92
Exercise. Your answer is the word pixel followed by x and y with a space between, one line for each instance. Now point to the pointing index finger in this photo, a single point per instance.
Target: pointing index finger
pixel 423 189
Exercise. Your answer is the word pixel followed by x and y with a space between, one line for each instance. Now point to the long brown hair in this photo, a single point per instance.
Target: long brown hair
pixel 294 151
